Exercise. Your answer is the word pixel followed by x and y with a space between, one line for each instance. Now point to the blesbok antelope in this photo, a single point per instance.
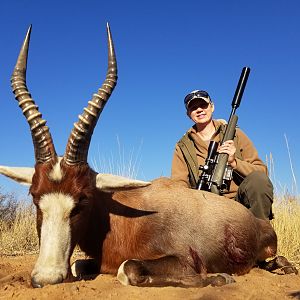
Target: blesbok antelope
pixel 150 233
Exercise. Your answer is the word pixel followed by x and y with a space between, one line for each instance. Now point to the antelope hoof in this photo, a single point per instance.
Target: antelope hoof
pixel 289 270
pixel 221 279
pixel 82 268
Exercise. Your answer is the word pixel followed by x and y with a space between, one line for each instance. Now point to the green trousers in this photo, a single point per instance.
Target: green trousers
pixel 256 193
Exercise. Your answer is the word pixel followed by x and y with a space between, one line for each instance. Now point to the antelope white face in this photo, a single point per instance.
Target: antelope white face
pixel 55 240
pixel 61 195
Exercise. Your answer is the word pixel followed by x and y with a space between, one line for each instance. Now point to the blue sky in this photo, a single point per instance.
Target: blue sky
pixel 164 50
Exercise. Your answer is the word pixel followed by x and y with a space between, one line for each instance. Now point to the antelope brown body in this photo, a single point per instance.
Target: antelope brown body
pixel 156 233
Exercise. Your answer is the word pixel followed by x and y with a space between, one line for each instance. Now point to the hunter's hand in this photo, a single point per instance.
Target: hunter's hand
pixel 229 148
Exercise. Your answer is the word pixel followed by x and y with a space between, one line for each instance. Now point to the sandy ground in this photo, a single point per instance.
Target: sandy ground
pixel 258 284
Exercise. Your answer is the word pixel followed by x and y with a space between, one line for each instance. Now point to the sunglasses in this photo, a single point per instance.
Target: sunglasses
pixel 196 94
pixel 202 104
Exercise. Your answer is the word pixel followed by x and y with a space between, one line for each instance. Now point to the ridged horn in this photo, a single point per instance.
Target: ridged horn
pixel 80 137
pixel 41 137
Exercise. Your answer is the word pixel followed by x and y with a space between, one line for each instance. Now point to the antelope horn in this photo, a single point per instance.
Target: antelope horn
pixel 41 137
pixel 80 137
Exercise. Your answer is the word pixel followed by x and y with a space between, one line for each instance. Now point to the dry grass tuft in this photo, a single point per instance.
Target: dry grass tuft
pixel 287 227
pixel 19 236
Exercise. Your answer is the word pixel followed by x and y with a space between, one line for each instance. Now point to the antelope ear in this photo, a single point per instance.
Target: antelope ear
pixel 113 183
pixel 19 174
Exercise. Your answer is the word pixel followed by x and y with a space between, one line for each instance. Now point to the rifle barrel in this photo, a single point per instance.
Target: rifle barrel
pixel 240 90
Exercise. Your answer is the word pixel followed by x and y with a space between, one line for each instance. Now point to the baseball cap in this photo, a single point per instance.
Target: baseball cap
pixel 197 94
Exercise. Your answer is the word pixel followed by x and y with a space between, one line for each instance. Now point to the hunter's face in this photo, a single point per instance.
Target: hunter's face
pixel 200 111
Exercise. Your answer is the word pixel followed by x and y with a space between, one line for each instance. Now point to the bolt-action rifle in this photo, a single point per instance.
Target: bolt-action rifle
pixel 216 173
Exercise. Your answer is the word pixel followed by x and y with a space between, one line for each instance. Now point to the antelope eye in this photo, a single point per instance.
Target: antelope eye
pixel 75 211
pixel 81 198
